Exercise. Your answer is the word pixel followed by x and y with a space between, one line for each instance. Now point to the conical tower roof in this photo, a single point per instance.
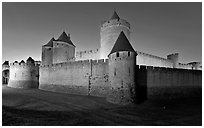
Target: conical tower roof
pixel 30 60
pixel 115 16
pixel 50 43
pixel 122 44
pixel 64 38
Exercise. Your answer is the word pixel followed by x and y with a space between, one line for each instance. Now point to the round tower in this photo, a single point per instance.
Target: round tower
pixel 47 52
pixel 63 49
pixel 174 59
pixel 110 31
pixel 24 75
pixel 122 63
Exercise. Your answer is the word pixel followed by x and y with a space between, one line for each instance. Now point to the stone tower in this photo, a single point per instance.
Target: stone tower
pixel 122 63
pixel 63 49
pixel 109 32
pixel 174 59
pixel 47 52
pixel 24 75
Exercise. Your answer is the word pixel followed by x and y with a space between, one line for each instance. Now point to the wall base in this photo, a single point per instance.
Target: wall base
pixel 173 92
pixel 23 84
pixel 121 96
pixel 71 89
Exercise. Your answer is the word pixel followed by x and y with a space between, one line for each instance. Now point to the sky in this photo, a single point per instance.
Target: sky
pixel 156 28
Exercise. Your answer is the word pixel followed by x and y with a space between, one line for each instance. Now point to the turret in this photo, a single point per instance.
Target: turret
pixel 63 49
pixel 110 31
pixel 174 59
pixel 24 75
pixel 122 63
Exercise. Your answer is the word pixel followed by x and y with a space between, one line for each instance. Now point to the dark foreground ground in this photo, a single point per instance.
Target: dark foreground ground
pixel 37 107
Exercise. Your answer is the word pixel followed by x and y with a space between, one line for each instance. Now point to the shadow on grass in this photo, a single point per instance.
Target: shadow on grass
pixel 151 113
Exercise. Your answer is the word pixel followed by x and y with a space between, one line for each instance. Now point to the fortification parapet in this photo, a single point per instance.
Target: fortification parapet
pixel 88 54
pixel 152 60
pixel 115 22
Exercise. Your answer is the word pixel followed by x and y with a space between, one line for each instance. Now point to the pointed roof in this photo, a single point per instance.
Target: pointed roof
pixel 50 43
pixel 122 44
pixel 115 16
pixel 30 60
pixel 64 38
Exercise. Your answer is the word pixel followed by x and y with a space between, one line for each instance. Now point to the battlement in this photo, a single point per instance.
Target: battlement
pixel 117 22
pixel 152 56
pixel 184 64
pixel 121 55
pixel 87 52
pixel 22 64
pixel 173 54
pixel 80 63
pixel 147 68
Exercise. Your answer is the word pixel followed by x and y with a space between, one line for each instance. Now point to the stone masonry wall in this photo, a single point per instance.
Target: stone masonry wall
pixel 151 60
pixel 167 82
pixel 23 76
pixel 78 77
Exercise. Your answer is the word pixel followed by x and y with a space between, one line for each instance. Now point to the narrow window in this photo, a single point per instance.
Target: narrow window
pixel 117 54
pixel 128 53
pixel 114 71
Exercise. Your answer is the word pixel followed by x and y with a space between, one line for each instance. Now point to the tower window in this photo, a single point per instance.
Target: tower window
pixel 128 53
pixel 117 54
pixel 114 71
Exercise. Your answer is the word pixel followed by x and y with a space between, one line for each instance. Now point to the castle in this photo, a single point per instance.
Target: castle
pixel 115 70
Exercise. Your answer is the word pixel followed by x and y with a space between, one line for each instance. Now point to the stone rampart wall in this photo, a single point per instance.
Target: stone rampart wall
pixel 167 82
pixel 151 60
pixel 88 77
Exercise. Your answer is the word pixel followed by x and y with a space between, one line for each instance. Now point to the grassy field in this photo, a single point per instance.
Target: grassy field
pixel 33 107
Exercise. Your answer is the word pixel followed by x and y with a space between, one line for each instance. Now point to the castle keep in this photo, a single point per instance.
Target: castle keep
pixel 115 70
